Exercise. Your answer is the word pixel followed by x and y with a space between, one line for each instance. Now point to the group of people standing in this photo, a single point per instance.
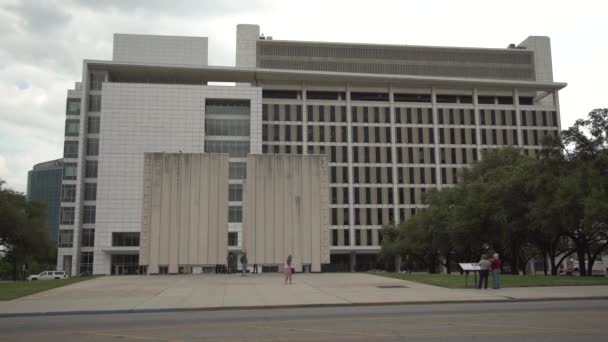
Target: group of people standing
pixel 486 267
pixel 288 267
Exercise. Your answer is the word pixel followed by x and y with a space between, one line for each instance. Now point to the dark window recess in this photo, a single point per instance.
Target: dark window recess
pixel 446 98
pixel 505 100
pixel 369 96
pixel 233 239
pixel 280 94
pixel 265 112
pixel 485 99
pixel 526 100
pixel 466 99
pixel 412 98
pixel 324 95
pixel 130 239
pixel 88 238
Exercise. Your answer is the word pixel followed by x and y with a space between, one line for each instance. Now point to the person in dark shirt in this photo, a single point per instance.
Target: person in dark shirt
pixel 495 266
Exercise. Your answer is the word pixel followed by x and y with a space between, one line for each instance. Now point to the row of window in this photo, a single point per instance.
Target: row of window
pixel 377 195
pixel 381 115
pixel 70 148
pixel 68 192
pixel 363 237
pixel 67 215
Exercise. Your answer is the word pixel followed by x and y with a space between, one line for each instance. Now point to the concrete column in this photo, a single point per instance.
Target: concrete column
pixel 518 117
pixel 557 110
pixel 351 195
pixel 398 261
pixel 436 136
pixel 477 122
pixel 353 261
pixel 394 156
pixel 304 121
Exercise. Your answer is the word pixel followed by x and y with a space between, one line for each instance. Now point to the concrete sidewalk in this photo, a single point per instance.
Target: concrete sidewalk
pixel 141 293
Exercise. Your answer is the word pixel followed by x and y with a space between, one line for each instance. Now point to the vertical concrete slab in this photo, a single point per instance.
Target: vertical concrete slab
pixel 271 244
pixel 144 235
pixel 212 247
pixel 257 253
pixel 278 209
pixel 284 207
pixel 195 203
pixel 184 208
pixel 306 203
pixel 222 227
pixel 316 214
pixel 175 213
pixel 204 221
pixel 155 209
pixel 165 211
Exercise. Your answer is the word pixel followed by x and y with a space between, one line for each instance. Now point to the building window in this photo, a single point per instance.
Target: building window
pixel 235 214
pixel 233 239
pixel 235 192
pixel 86 263
pixel 88 238
pixel 70 149
pixel 72 127
pixel 91 169
pixel 67 215
pixel 92 147
pixel 72 107
pixel 125 239
pixel 94 103
pixel 90 191
pixel 69 171
pixel 68 193
pixel 95 81
pixel 93 125
pixel 88 214
pixel 237 170
pixel 66 238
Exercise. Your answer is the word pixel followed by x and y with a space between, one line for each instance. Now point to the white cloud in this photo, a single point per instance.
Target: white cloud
pixel 44 43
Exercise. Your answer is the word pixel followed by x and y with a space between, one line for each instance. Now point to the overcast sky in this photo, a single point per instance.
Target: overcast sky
pixel 43 43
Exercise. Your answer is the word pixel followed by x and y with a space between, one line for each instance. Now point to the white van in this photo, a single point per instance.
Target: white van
pixel 47 275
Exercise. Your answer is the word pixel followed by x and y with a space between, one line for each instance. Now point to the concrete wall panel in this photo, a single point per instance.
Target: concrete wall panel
pixel 295 195
pixel 188 204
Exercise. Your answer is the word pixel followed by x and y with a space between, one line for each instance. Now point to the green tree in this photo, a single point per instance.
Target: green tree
pixel 23 231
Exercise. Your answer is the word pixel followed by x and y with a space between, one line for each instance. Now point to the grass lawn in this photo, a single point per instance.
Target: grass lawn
pixel 14 289
pixel 507 280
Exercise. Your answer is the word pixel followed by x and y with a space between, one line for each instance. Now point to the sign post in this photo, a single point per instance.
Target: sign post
pixel 466 267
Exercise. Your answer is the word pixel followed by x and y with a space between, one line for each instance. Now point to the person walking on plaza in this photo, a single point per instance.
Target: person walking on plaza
pixel 255 269
pixel 495 266
pixel 287 269
pixel 244 262
pixel 230 261
pixel 484 271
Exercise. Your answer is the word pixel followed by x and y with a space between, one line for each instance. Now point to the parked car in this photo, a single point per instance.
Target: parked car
pixel 47 275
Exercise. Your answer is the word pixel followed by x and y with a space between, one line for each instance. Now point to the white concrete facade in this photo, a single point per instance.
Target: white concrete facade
pixel 152 99
pixel 154 49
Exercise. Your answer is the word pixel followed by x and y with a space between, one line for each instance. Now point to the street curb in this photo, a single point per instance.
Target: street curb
pixel 295 306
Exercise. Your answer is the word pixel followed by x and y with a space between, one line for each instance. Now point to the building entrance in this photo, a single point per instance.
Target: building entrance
pixel 123 264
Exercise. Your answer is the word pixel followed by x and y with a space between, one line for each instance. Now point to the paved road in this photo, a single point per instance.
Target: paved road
pixel 532 321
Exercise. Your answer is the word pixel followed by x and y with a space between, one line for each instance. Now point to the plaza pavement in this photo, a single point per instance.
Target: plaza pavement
pixel 183 292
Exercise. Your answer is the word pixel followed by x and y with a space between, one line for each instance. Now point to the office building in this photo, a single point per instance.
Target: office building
pixel 44 185
pixel 392 122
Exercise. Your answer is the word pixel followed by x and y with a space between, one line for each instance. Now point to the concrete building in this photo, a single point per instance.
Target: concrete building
pixel 44 185
pixel 393 121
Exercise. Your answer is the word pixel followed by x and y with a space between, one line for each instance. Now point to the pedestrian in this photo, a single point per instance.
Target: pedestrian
pixel 244 262
pixel 495 266
pixel 484 271
pixel 230 262
pixel 255 268
pixel 288 269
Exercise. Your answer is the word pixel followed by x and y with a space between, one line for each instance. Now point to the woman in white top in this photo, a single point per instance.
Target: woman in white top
pixel 287 268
